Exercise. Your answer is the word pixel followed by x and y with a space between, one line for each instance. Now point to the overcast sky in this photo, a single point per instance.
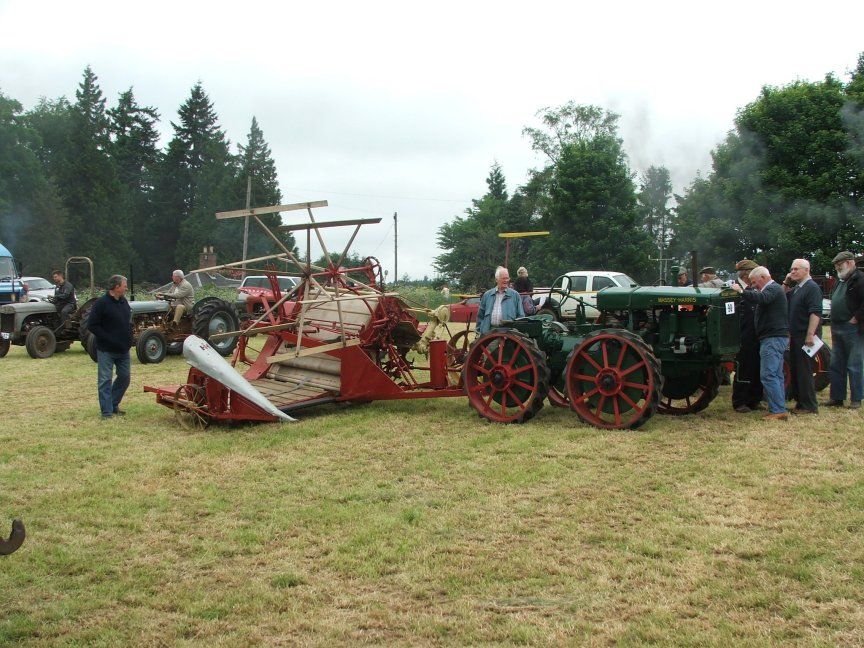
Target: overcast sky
pixel 383 107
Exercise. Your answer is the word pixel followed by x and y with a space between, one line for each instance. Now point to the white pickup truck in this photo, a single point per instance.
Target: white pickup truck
pixel 562 299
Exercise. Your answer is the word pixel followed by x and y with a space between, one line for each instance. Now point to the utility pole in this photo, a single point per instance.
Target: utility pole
pixel 395 247
pixel 246 220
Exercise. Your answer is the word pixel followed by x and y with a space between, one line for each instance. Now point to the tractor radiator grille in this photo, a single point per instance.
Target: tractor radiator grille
pixel 729 334
pixel 7 323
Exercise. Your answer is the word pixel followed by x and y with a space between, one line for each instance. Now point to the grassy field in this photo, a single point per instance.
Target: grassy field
pixel 416 523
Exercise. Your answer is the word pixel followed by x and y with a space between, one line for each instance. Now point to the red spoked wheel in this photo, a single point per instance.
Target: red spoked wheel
pixel 613 380
pixel 690 393
pixel 505 377
pixel 821 362
pixel 190 406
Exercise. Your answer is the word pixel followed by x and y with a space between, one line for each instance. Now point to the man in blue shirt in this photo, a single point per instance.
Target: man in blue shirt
pixel 498 304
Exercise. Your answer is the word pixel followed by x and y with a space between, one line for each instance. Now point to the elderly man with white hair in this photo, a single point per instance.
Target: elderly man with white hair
pixel 805 321
pixel 181 295
pixel 772 328
pixel 498 304
pixel 847 333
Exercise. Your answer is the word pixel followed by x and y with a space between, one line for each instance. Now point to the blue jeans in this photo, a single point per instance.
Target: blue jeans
pixel 110 395
pixel 847 357
pixel 771 372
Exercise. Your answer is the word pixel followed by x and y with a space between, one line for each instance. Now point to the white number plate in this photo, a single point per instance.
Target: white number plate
pixel 5 336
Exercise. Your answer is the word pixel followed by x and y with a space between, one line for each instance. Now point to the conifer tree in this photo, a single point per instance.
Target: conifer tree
pixel 134 150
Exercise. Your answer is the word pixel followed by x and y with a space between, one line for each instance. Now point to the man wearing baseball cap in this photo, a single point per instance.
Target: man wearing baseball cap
pixel 847 333
pixel 709 278
pixel 746 387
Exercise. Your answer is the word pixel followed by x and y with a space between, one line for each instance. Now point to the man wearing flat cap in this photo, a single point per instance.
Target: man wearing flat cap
pixel 847 333
pixel 709 278
pixel 683 279
pixel 746 387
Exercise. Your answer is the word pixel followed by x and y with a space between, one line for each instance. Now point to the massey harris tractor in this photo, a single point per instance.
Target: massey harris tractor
pixel 333 339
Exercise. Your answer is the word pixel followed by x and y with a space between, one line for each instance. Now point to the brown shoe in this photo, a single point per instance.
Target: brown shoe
pixel 779 416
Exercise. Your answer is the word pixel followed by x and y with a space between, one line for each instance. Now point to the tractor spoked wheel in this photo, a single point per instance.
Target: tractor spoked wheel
pixel 613 380
pixel 691 393
pixel 190 407
pixel 505 377
pixel 820 362
pixel 457 351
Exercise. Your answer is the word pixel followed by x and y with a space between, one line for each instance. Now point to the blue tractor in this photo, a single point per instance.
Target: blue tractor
pixel 11 288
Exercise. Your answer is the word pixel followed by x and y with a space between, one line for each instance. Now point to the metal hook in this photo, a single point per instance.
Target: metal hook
pixel 16 539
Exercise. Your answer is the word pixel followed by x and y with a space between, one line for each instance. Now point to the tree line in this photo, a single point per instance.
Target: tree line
pixel 80 178
pixel 786 182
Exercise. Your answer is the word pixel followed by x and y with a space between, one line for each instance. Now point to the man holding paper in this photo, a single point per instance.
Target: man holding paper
pixel 805 319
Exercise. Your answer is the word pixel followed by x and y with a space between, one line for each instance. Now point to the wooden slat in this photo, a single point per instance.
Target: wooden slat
pixel 339 223
pixel 280 357
pixel 272 209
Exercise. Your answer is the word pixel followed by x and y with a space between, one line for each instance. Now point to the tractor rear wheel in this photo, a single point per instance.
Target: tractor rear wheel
pixel 217 316
pixel 4 346
pixel 151 345
pixel 821 362
pixel 40 342
pixel 505 376
pixel 613 380
pixel 88 341
pixel 691 393
pixel 548 311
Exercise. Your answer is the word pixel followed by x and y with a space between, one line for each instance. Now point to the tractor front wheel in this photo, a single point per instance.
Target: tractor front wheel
pixel 150 347
pixel 505 376
pixel 40 342
pixel 613 380
pixel 4 347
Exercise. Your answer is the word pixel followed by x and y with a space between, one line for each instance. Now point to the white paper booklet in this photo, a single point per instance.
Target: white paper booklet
pixel 812 350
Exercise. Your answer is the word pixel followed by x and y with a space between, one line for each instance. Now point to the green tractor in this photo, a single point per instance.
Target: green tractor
pixel 652 349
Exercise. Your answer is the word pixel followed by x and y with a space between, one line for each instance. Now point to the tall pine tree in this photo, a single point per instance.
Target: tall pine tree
pixel 134 150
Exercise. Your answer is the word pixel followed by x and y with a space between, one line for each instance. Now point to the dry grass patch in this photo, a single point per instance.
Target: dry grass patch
pixel 418 523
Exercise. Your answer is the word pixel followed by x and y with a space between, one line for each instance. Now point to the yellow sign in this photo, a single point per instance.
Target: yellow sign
pixel 518 234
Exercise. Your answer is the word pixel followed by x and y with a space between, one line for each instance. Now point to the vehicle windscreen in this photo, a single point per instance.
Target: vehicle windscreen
pixel 625 281
pixel 7 269
pixel 39 284
pixel 286 284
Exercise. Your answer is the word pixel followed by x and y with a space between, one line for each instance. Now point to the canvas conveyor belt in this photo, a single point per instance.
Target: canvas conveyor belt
pixel 297 380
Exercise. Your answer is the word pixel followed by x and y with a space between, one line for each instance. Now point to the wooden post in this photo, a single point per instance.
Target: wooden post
pixel 246 219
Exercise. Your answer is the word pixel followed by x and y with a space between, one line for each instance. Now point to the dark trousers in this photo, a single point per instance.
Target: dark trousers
pixel 746 387
pixel 802 389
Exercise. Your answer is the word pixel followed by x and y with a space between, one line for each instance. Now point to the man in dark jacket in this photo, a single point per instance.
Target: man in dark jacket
pixel 110 321
pixel 847 333
pixel 805 320
pixel 746 388
pixel 64 296
pixel 772 326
